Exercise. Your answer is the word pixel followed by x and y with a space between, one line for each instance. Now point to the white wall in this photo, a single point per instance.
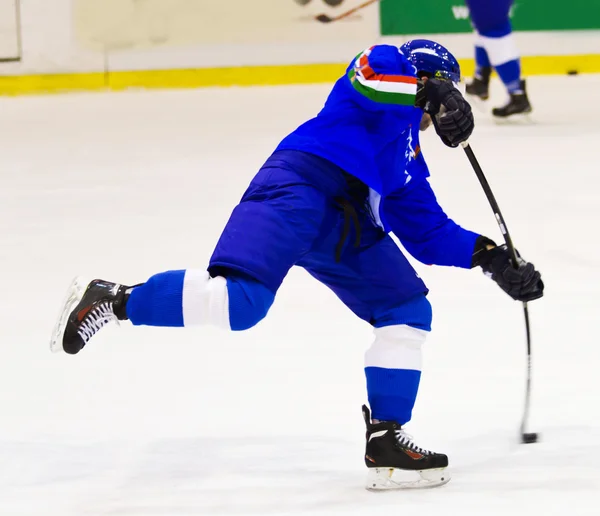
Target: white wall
pixel 62 36
pixel 47 40
pixel 9 32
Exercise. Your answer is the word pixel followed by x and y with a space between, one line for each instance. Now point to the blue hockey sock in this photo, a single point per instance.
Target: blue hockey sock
pixel 192 297
pixel 249 302
pixel 510 74
pixel 158 302
pixel 482 64
pixel 393 363
pixel 503 54
pixel 392 393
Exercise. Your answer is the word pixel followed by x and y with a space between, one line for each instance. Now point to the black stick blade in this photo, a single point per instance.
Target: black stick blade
pixel 323 18
pixel 529 438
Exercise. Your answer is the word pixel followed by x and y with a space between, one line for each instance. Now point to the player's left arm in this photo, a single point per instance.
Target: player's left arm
pixel 416 218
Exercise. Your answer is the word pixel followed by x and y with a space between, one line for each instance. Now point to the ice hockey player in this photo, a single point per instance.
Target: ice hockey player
pixel 495 47
pixel 326 200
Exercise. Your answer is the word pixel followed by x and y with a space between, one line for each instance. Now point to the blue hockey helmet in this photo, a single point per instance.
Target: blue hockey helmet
pixel 432 59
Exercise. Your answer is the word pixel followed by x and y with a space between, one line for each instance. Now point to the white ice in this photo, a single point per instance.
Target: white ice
pixel 155 422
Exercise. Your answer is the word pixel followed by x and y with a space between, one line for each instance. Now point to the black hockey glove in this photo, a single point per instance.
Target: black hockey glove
pixel 522 284
pixel 456 123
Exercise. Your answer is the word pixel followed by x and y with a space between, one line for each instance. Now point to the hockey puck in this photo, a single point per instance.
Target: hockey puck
pixel 529 438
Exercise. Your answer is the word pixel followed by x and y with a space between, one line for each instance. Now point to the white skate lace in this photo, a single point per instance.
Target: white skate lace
pixel 406 440
pixel 95 320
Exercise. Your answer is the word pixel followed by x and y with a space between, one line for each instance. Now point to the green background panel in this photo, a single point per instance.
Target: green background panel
pixel 442 16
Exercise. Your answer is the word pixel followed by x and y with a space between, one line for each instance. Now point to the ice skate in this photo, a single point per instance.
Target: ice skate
pixel 396 462
pixel 479 88
pixel 85 311
pixel 518 104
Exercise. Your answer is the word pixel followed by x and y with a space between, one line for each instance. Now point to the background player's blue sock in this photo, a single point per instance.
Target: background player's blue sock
pixel 510 74
pixel 482 64
pixel 501 51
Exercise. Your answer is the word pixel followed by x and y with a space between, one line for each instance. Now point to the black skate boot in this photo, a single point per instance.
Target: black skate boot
pixel 517 105
pixel 86 311
pixel 395 462
pixel 480 86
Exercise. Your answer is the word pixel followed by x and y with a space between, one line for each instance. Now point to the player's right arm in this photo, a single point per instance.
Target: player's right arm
pixel 428 234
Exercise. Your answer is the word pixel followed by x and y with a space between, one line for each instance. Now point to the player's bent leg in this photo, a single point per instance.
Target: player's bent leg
pixel 393 367
pixel 169 299
pixel 193 298
pixel 276 222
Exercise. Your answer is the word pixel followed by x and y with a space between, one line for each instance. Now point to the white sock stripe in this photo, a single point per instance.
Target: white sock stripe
pixel 397 347
pixel 205 299
pixel 499 50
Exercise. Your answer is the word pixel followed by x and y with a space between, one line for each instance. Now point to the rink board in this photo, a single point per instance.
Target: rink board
pixel 249 76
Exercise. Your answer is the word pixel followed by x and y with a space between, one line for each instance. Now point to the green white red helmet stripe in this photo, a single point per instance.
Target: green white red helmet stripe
pixel 382 88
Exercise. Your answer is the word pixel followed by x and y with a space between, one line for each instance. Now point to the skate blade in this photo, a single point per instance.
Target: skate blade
pixel 516 119
pixel 72 299
pixel 480 105
pixel 387 479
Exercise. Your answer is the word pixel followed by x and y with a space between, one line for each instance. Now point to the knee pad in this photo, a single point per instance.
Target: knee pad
pixel 396 347
pixel 232 302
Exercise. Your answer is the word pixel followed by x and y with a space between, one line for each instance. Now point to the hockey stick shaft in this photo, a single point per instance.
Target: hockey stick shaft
pixel 513 254
pixel 327 19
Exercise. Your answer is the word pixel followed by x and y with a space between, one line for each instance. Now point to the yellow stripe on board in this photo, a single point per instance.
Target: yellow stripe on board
pixel 248 76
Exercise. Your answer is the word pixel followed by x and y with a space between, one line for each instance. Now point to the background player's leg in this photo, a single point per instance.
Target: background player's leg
pixel 496 39
pixel 480 85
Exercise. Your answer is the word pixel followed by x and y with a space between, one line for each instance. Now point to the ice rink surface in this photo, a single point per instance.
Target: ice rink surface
pixel 158 422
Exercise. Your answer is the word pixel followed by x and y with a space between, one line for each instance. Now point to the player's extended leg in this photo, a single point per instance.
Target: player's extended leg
pixel 277 220
pixel 380 286
pixel 496 41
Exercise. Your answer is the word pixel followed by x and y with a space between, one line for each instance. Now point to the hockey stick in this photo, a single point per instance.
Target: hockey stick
pixel 323 18
pixel 526 437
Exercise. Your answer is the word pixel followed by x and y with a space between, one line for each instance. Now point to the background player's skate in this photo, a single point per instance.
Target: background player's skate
pixel 496 49
pixel 518 104
pixel 396 462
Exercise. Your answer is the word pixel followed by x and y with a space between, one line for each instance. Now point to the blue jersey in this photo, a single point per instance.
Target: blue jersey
pixel 369 127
